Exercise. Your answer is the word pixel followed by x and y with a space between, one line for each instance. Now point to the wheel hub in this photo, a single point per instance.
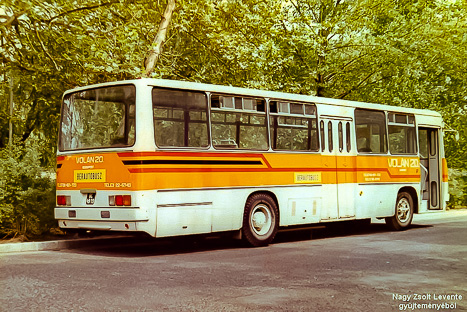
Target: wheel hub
pixel 403 210
pixel 261 220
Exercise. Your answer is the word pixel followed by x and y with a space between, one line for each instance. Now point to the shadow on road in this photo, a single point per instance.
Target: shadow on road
pixel 338 229
pixel 144 246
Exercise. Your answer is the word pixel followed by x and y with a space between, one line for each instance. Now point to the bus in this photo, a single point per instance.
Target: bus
pixel 171 158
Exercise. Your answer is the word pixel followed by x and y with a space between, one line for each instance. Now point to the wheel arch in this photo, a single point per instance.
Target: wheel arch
pixel 273 196
pixel 413 194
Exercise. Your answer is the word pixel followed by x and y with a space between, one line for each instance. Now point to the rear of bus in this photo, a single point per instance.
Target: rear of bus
pixel 94 189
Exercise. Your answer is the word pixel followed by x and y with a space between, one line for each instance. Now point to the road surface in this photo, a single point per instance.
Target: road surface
pixel 351 269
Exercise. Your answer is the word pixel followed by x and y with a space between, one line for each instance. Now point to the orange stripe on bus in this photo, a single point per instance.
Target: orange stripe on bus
pixel 344 170
pixel 174 169
pixel 445 170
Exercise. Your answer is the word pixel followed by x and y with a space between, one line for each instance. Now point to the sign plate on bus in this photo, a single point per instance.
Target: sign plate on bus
pixel 307 177
pixel 96 175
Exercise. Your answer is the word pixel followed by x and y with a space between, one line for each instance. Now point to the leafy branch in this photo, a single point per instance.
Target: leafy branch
pixel 85 8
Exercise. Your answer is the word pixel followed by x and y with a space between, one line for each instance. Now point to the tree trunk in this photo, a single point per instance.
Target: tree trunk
pixel 156 49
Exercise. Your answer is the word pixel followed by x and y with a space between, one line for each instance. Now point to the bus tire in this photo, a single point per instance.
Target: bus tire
pixel 260 220
pixel 403 214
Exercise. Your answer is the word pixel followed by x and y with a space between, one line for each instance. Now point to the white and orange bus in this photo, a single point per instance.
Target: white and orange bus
pixel 176 158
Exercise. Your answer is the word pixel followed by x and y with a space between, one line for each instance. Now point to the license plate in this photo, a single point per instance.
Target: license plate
pixel 90 198
pixel 96 175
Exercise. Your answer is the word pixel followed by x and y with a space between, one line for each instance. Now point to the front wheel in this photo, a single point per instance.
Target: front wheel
pixel 404 212
pixel 260 220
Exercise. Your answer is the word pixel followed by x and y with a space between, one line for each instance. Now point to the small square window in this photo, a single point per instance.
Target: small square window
pixel 401 118
pixel 284 107
pixel 296 109
pixel 227 102
pixel 249 104
pixel 309 110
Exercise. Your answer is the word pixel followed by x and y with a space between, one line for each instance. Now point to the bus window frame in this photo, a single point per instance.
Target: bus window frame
pixel 62 116
pixel 304 115
pixel 237 110
pixel 208 121
pixel 408 125
pixel 385 127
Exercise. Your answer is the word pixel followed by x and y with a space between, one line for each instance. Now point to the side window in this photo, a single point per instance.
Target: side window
pixel 238 122
pixel 402 137
pixel 321 130
pixel 293 126
pixel 341 137
pixel 180 118
pixel 423 143
pixel 347 139
pixel 433 143
pixel 371 131
pixel 330 146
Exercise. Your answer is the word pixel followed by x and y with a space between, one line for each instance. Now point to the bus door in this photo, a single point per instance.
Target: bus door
pixel 429 164
pixel 336 147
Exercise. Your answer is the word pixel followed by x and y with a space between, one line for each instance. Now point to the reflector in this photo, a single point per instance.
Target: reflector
pixel 126 200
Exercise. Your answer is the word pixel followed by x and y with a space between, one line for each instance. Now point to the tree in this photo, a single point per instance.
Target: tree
pixel 393 52
pixel 156 49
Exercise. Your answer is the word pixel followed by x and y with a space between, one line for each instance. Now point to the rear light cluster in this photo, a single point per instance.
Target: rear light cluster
pixel 63 200
pixel 120 200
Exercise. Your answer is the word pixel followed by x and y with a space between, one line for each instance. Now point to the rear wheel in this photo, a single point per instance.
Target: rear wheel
pixel 260 220
pixel 403 214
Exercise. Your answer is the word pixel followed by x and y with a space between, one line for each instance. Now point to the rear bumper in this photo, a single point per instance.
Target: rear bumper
pixel 102 218
pixel 105 214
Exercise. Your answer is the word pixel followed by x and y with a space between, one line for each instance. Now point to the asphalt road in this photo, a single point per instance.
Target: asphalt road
pixel 343 269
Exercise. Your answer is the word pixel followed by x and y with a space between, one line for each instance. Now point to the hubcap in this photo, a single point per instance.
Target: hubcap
pixel 403 210
pixel 261 219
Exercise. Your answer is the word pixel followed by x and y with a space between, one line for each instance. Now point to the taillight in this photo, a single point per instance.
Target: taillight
pixel 120 200
pixel 63 200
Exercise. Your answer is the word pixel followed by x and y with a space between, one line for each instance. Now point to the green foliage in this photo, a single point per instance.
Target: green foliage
pixel 27 193
pixel 403 53
pixel 457 188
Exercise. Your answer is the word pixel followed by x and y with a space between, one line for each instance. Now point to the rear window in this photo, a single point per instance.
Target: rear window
pixel 98 118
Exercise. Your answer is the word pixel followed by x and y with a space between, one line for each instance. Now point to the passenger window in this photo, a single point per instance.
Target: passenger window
pixel 293 126
pixel 330 136
pixel 180 118
pixel 423 143
pixel 341 137
pixel 347 132
pixel 238 122
pixel 371 131
pixel 321 129
pixel 433 143
pixel 402 137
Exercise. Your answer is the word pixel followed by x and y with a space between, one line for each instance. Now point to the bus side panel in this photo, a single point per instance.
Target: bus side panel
pixel 379 200
pixel 299 204
pixel 215 210
pixel 199 211
pixel 375 200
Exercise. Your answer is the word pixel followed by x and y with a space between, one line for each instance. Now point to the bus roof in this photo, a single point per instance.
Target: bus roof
pixel 186 85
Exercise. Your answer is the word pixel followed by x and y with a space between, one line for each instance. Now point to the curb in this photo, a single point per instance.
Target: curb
pixel 35 246
pixel 62 244
pixel 440 215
